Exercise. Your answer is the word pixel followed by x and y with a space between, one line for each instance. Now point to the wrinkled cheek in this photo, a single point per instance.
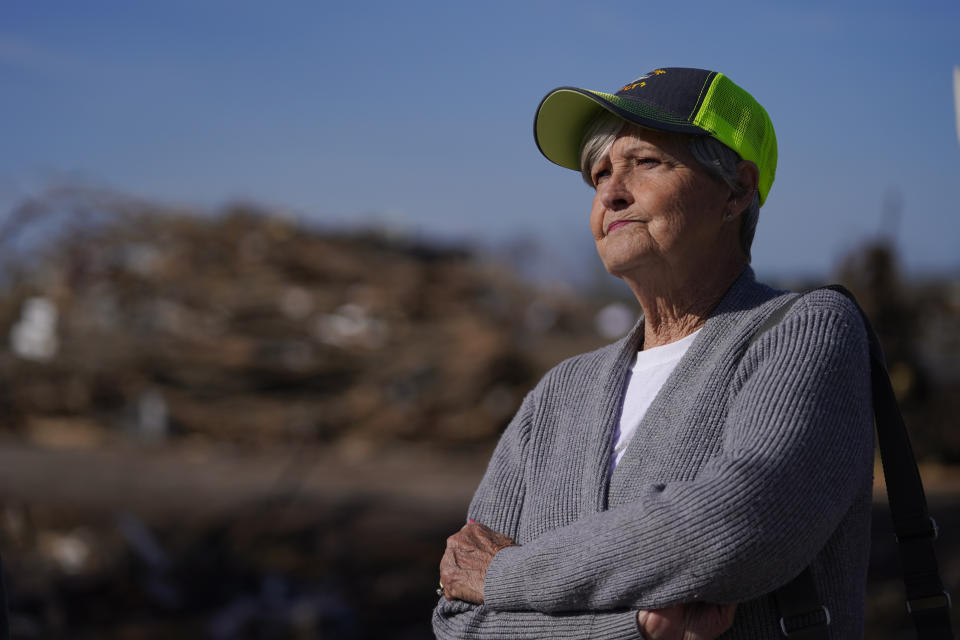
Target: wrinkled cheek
pixel 596 220
pixel 596 228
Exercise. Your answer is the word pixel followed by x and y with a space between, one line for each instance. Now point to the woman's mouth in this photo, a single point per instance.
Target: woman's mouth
pixel 618 224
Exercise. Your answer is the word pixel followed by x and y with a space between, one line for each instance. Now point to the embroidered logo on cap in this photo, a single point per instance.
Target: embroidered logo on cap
pixel 640 82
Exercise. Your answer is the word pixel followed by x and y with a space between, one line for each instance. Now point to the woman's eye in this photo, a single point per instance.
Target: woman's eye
pixel 599 175
pixel 649 162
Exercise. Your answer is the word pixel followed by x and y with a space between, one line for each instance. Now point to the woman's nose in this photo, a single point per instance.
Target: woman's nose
pixel 614 193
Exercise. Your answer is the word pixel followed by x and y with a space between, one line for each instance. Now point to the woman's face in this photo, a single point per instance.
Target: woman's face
pixel 655 206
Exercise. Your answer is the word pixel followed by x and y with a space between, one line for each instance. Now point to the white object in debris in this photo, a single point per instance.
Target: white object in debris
pixel 152 416
pixel 34 336
pixel 350 326
pixel 69 552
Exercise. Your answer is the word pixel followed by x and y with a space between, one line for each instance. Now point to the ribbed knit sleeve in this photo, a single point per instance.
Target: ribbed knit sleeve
pixel 498 503
pixel 462 621
pixel 795 452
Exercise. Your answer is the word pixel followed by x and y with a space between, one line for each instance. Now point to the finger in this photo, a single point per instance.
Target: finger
pixel 446 560
pixel 450 582
pixel 661 624
pixel 454 590
pixel 448 572
pixel 642 617
pixel 454 539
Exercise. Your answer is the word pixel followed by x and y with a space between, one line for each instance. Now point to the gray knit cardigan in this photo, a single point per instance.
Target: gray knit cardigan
pixel 754 461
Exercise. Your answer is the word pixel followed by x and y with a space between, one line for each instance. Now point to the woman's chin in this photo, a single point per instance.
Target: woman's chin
pixel 627 266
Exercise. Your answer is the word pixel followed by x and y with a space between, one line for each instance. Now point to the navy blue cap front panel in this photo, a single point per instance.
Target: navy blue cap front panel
pixel 677 90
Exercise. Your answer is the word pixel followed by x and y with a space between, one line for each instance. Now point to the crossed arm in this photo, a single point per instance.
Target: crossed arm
pixel 590 578
pixel 470 550
pixel 462 572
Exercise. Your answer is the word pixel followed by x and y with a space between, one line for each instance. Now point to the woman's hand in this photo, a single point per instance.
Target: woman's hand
pixel 691 621
pixel 469 552
pixel 464 563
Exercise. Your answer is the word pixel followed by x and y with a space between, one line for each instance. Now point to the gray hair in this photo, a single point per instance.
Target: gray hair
pixel 719 160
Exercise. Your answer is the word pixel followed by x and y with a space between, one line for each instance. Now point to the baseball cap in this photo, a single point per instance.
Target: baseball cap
pixel 675 99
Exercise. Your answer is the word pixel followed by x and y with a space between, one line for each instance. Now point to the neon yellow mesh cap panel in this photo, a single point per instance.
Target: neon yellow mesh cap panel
pixel 733 117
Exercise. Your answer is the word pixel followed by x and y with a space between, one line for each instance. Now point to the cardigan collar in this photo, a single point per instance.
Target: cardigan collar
pixel 726 322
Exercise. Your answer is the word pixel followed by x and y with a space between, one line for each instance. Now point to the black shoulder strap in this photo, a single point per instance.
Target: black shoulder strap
pixel 803 616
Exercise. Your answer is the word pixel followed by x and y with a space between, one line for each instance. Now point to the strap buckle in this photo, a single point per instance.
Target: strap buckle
pixel 938 601
pixel 933 532
pixel 807 627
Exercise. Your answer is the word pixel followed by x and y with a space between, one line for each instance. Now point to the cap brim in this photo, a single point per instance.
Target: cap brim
pixel 565 113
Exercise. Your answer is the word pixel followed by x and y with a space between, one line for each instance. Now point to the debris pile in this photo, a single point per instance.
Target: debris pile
pixel 122 322
pixel 253 328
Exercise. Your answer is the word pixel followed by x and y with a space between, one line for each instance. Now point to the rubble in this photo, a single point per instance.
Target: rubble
pixel 256 329
pixel 138 329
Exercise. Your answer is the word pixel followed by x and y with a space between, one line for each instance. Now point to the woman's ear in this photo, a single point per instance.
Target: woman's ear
pixel 748 177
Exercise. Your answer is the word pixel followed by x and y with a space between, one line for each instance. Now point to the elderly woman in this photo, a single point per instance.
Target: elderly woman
pixel 718 450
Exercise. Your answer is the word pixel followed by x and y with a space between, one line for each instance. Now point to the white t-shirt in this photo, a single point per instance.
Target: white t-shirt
pixel 648 374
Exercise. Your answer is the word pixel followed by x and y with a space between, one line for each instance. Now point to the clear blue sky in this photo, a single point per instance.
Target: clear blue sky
pixel 418 114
